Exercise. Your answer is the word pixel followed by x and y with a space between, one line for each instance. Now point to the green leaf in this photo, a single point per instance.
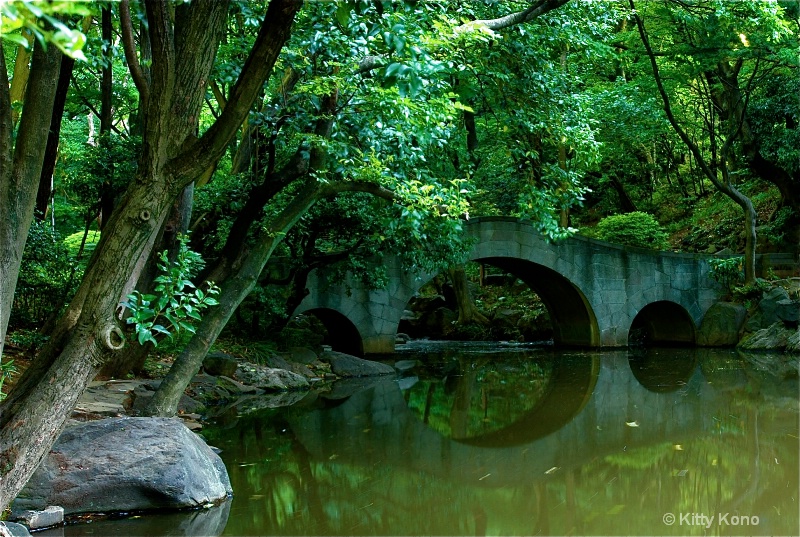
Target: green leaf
pixel 144 336
pixel 161 330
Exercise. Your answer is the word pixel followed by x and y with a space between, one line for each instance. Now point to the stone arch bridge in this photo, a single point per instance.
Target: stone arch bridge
pixel 595 292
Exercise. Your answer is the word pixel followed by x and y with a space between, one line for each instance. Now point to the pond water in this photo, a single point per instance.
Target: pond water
pixel 481 439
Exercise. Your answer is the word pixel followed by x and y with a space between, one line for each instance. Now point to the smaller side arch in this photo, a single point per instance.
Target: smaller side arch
pixel 343 335
pixel 663 323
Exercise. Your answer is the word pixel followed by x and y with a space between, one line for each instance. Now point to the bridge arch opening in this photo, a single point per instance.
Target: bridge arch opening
pixel 662 323
pixel 565 316
pixel 341 334
pixel 573 322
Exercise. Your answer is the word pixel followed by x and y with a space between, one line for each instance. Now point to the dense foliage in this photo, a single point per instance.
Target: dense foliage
pixel 289 138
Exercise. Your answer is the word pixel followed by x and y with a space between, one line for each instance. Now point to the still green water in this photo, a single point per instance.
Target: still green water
pixel 492 440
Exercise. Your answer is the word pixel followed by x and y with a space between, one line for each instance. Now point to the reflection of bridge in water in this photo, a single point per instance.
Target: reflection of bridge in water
pixel 614 413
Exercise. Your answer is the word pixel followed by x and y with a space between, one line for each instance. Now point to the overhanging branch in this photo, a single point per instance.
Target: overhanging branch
pixel 129 47
pixel 535 10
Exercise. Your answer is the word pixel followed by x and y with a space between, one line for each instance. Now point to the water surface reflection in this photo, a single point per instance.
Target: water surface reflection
pixel 525 442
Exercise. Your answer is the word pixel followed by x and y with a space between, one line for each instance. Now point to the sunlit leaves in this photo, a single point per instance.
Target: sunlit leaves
pixel 176 303
pixel 41 18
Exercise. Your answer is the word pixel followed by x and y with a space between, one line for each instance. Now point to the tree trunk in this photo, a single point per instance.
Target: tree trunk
pixel 45 191
pixel 87 334
pixel 472 138
pixel 131 359
pixel 21 73
pixel 233 291
pixel 236 288
pixel 626 204
pixel 467 310
pixel 106 116
pixel 21 167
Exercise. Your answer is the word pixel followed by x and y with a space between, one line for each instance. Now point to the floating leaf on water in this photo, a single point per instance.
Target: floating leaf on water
pixel 632 423
pixel 617 509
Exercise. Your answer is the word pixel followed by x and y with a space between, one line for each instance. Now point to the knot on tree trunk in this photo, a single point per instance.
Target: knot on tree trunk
pixel 144 215
pixel 112 337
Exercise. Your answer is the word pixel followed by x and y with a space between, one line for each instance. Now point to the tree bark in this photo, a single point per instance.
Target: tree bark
pixel 87 334
pixel 537 8
pixel 45 190
pixel 626 203
pixel 467 310
pixel 131 359
pixel 21 73
pixel 21 166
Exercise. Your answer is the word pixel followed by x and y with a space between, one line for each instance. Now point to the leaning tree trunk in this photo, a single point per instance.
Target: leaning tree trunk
pixel 132 358
pixel 233 291
pixel 236 288
pixel 184 45
pixel 21 166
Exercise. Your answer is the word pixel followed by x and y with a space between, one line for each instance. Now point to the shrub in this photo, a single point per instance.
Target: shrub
pixel 633 229
pixel 729 272
pixel 45 280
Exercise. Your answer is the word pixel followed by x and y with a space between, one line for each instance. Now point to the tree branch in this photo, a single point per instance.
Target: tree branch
pixel 162 44
pixel 274 32
pixel 537 9
pixel 88 104
pixel 667 106
pixel 332 189
pixel 129 47
pixel 218 95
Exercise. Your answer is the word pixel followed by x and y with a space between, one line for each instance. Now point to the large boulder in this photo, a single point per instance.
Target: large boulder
pixel 220 364
pixel 788 310
pixel 12 529
pixel 346 365
pixel 774 338
pixel 776 305
pixel 127 464
pixel 270 379
pixel 721 325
